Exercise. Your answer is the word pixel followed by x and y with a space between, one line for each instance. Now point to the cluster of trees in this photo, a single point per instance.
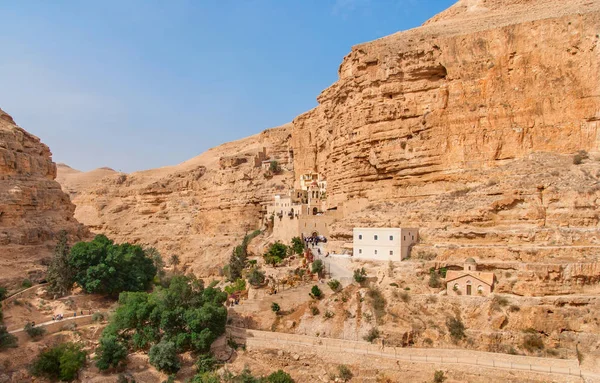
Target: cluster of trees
pixel 101 266
pixel 6 340
pixel 278 251
pixel 245 376
pixel 60 363
pixel 185 316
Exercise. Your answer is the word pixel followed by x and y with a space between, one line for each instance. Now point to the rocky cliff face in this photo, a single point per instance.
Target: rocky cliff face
pixel 33 208
pixel 197 210
pixel 467 127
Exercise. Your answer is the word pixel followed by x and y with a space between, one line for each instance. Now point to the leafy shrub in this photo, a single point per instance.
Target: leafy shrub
pixel 206 363
pixel 276 253
pixel 297 245
pixel 579 157
pixel 404 296
pixel 456 328
pixel 316 292
pixel 256 277
pixel 334 285
pixel 102 267
pixel 314 310
pixel 26 283
pixel 274 167
pixel 110 352
pixel 317 267
pixel 275 307
pixel 378 302
pixel 238 285
pixel 6 340
pixel 34 332
pixel 328 314
pixel 60 274
pixel 533 342
pixel 360 275
pixel 498 302
pixel 344 373
pixel 280 376
pixel 98 317
pixel 61 362
pixel 434 279
pixel 372 334
pixel 163 356
pixel 394 284
pixel 514 308
pixel 439 377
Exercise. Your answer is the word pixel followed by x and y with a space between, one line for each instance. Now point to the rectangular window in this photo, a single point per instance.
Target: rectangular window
pixel 359 251
pixel 391 252
pixel 375 237
pixel 405 237
pixel 376 252
pixel 360 236
pixel 391 237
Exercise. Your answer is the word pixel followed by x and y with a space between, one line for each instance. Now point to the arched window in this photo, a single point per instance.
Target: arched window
pixel 479 289
pixel 468 282
pixel 455 288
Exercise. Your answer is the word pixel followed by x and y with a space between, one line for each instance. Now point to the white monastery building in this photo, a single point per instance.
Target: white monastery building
pixel 384 243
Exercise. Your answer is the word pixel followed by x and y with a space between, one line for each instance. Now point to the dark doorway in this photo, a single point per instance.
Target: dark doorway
pixel 315 210
pixel 468 289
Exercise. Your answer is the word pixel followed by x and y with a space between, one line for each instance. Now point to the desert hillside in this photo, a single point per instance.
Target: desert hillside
pixel 33 208
pixel 197 210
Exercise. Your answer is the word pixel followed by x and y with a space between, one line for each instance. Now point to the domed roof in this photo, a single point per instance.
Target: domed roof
pixel 470 260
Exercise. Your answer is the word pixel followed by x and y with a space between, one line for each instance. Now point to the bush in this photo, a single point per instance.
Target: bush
pixel 378 302
pixel 314 310
pixel 533 342
pixel 274 167
pixel 98 317
pixel 498 302
pixel 579 157
pixel 334 285
pixel 316 292
pixel 61 362
pixel 3 293
pixel 514 308
pixel 280 376
pixel 456 328
pixel 344 373
pixel 297 245
pixel 163 356
pixel 6 340
pixel 110 353
pixel 317 267
pixel 328 314
pixel 276 253
pixel 206 363
pixel 60 274
pixel 238 285
pixel 404 296
pixel 434 279
pixel 372 335
pixel 102 267
pixel 275 307
pixel 26 283
pixel 34 332
pixel 360 275
pixel 439 377
pixel 256 277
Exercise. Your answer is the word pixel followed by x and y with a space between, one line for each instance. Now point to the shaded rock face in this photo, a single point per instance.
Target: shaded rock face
pixel 197 210
pixel 33 208
pixel 466 127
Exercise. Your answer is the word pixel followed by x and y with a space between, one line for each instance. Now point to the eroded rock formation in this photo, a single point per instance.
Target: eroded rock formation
pixel 33 208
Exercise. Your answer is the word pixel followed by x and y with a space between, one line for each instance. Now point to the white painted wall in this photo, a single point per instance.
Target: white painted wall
pixel 383 243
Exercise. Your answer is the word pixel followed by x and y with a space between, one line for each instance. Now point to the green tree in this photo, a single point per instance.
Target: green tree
pixel 276 253
pixel 206 363
pixel 434 279
pixel 274 167
pixel 275 307
pixel 163 356
pixel 105 268
pixel 256 277
pixel 297 245
pixel 110 353
pixel 344 373
pixel 456 328
pixel 316 292
pixel 159 263
pixel 174 260
pixel 60 274
pixel 280 376
pixel 238 285
pixel 360 275
pixel 61 362
pixel 317 267
pixel 34 332
pixel 334 285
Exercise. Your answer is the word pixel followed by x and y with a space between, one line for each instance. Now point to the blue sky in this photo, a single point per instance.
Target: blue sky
pixel 140 84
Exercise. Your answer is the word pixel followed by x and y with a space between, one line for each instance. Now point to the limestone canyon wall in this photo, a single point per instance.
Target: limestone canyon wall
pixel 467 128
pixel 33 208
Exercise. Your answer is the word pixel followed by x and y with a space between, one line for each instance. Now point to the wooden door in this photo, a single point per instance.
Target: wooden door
pixel 468 289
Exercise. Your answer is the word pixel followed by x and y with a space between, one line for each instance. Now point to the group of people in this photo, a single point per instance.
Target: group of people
pixel 314 240
pixel 60 316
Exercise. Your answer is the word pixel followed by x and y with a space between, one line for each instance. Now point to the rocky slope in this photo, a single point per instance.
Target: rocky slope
pixel 197 210
pixel 33 208
pixel 467 127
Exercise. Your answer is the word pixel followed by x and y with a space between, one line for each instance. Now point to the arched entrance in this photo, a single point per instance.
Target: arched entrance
pixel 315 233
pixel 315 210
